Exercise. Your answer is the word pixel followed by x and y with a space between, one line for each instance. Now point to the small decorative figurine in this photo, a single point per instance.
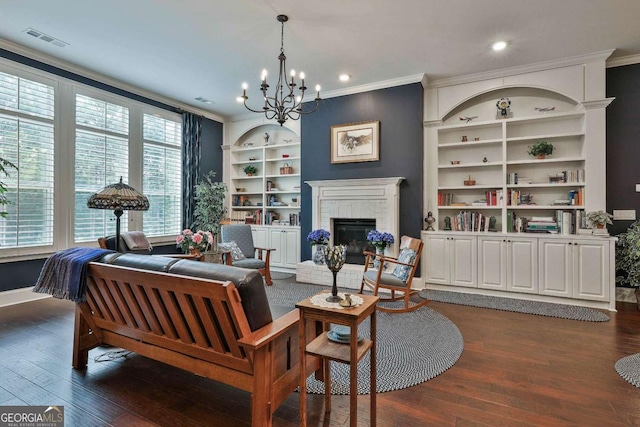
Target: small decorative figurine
pixel 447 223
pixel 464 138
pixel 477 138
pixel 266 138
pixel 504 108
pixel 430 220
pixel 467 119
pixel 492 224
pixel 485 160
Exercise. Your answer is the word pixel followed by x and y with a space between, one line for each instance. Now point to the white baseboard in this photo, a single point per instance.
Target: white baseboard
pixel 19 296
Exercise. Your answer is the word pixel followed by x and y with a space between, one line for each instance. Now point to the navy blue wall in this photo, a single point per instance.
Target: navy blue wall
pixel 623 150
pixel 399 110
pixel 211 148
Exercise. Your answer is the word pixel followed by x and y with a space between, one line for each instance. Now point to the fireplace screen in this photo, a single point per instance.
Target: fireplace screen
pixel 353 233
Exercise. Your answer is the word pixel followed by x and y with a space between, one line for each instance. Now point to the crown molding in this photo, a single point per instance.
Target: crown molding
pixel 623 60
pixel 384 84
pixel 101 78
pixel 522 69
pixel 596 104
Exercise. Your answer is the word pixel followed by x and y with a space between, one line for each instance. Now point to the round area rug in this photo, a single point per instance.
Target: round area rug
pixel 629 369
pixel 412 347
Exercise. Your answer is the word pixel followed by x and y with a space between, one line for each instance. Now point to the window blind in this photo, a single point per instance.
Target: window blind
pixel 27 140
pixel 162 175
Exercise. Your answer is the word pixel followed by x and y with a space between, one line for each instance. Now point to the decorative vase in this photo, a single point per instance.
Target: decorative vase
pixel 541 156
pixel 335 258
pixel 318 254
pixel 334 289
pixel 376 261
pixel 600 226
pixel 195 252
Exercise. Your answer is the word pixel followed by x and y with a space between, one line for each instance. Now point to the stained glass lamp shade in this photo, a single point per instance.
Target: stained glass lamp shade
pixel 120 197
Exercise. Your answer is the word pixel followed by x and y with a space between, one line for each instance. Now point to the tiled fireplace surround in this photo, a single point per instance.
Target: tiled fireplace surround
pixel 377 198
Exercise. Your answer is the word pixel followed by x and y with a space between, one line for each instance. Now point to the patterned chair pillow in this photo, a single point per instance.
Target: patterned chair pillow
pixel 236 253
pixel 407 256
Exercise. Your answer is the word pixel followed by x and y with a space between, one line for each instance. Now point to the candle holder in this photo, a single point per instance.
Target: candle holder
pixel 335 257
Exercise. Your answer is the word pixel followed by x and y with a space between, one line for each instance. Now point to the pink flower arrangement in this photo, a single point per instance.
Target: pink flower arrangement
pixel 188 240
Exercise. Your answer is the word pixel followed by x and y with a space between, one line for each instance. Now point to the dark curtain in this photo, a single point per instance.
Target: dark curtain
pixel 191 136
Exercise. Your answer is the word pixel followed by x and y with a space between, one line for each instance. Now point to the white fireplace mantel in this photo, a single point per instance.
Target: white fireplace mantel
pixel 377 198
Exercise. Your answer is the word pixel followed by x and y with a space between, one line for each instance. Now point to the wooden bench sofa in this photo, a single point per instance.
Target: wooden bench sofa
pixel 158 308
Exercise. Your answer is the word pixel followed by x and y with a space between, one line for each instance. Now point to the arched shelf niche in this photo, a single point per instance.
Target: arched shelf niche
pixel 525 102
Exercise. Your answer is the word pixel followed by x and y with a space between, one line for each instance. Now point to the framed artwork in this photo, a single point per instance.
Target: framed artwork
pixel 355 142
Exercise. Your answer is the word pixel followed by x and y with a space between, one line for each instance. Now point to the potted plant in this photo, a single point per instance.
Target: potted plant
pixel 318 238
pixel 380 241
pixel 209 208
pixel 628 259
pixel 541 149
pixel 599 219
pixel 4 165
pixel 250 170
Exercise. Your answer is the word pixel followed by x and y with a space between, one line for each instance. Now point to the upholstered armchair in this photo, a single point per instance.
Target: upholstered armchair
pixel 238 240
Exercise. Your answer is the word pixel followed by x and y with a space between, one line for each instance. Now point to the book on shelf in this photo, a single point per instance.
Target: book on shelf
pixel 470 221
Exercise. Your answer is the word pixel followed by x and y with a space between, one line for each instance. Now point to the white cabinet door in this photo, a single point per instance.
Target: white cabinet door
pixel 291 256
pixel 591 270
pixel 450 260
pixel 556 267
pixel 492 258
pixel 435 259
pixel 286 242
pixel 260 236
pixel 276 242
pixel 522 265
pixel 463 261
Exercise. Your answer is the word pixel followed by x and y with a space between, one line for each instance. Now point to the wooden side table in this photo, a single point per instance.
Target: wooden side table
pixel 328 350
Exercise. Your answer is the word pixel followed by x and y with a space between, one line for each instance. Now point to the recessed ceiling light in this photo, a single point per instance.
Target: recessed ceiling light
pixel 344 77
pixel 499 45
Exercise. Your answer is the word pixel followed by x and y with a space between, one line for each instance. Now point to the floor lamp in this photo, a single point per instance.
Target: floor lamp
pixel 120 197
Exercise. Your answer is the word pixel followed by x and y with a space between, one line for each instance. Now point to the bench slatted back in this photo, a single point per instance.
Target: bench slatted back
pixel 186 314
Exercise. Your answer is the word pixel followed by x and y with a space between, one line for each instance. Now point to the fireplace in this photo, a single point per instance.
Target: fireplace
pixel 373 198
pixel 352 232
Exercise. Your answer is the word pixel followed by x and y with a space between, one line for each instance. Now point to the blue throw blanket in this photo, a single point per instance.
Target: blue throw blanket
pixel 64 274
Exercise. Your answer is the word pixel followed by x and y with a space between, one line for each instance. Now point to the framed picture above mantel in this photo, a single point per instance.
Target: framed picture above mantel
pixel 355 142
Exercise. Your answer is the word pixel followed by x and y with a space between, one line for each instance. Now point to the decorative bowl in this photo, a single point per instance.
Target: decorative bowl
pixel 469 182
pixel 455 162
pixel 241 189
pixel 285 156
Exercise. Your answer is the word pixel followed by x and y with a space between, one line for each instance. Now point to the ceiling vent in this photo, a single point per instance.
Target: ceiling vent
pixel 45 37
pixel 203 100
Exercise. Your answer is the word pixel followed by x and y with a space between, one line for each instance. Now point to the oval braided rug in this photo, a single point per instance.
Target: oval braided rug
pixel 412 347
pixel 629 369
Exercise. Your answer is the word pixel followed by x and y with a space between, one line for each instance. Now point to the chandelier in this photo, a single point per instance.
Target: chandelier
pixel 284 104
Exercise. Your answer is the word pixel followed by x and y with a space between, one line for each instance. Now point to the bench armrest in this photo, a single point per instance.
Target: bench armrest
pixel 270 332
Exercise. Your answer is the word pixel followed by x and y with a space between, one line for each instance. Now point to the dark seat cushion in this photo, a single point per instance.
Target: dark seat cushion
pixel 248 282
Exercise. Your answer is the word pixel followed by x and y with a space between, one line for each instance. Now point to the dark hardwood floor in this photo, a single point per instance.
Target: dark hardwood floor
pixel 516 370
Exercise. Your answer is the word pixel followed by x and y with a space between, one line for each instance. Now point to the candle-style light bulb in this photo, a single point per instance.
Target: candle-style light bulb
pixel 264 75
pixel 293 73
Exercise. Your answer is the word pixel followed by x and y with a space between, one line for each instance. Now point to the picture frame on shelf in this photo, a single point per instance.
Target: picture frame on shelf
pixel 355 142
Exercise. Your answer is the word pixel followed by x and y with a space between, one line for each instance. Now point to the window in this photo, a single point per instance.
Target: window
pixel 27 140
pixel 162 175
pixel 73 144
pixel 102 157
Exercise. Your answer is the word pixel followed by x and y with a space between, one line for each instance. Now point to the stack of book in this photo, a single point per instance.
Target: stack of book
pixel 541 224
